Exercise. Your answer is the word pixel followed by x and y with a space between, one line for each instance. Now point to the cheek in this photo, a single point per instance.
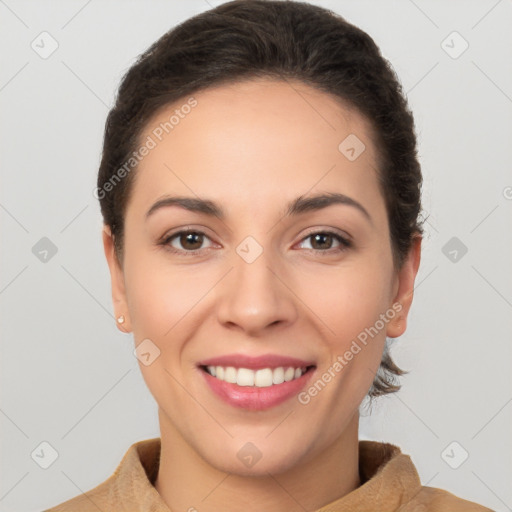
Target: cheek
pixel 351 302
pixel 350 298
pixel 160 294
pixel 352 307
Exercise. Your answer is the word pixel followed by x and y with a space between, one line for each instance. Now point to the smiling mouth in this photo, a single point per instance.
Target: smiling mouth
pixel 258 378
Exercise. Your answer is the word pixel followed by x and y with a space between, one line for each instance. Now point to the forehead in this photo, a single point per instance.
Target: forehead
pixel 263 140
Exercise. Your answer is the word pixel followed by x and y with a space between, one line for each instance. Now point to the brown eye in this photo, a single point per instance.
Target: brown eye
pixel 185 241
pixel 322 241
pixel 191 241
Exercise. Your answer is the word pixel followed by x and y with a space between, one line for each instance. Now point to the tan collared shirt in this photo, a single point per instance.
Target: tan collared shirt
pixel 389 482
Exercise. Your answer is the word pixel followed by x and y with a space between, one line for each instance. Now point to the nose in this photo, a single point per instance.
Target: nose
pixel 256 295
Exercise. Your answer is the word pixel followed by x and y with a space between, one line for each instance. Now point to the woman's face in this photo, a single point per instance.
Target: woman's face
pixel 266 284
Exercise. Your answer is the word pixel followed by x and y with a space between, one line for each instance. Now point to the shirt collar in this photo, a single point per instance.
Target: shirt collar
pixel 388 479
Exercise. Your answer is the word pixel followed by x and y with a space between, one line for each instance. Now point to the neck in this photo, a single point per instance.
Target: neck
pixel 186 481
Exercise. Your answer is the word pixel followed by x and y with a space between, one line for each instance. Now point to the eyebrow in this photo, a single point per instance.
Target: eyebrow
pixel 296 207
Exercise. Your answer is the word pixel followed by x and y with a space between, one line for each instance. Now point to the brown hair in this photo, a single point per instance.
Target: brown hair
pixel 245 39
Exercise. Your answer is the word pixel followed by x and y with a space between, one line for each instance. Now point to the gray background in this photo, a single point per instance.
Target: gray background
pixel 68 376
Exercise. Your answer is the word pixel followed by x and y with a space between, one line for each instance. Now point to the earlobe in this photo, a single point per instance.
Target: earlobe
pixel 117 282
pixel 403 299
pixel 121 323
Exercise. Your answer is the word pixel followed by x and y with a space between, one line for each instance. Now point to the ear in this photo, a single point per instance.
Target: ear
pixel 117 281
pixel 404 289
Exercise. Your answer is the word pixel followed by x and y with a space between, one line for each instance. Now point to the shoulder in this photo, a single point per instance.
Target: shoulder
pixel 94 500
pixel 391 482
pixel 129 485
pixel 431 499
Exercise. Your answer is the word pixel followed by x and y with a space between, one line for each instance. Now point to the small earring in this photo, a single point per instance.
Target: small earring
pixel 120 319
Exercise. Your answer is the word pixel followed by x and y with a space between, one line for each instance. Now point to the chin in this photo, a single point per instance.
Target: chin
pixel 256 458
pixel 281 463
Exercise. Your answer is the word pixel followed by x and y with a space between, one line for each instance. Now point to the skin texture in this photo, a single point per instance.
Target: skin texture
pixel 253 147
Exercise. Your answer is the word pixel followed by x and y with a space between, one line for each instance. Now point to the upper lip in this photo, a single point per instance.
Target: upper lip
pixel 256 362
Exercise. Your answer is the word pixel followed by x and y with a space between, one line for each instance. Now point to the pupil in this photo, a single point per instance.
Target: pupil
pixel 320 236
pixel 189 239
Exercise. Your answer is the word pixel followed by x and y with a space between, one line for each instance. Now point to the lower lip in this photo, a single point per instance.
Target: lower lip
pixel 254 398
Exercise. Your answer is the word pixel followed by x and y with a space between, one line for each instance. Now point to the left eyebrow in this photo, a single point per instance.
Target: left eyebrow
pixel 313 203
pixel 296 207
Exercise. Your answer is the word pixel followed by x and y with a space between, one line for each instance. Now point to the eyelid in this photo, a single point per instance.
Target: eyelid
pixel 166 239
pixel 344 240
pixel 184 229
pixel 334 231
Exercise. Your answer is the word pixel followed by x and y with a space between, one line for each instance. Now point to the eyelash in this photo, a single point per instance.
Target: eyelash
pixel 344 243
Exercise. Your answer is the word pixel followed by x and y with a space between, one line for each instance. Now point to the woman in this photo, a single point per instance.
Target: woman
pixel 260 191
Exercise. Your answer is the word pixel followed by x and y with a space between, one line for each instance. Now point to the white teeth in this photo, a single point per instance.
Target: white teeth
pixel 289 374
pixel 230 375
pixel 245 377
pixel 257 378
pixel 278 376
pixel 263 378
